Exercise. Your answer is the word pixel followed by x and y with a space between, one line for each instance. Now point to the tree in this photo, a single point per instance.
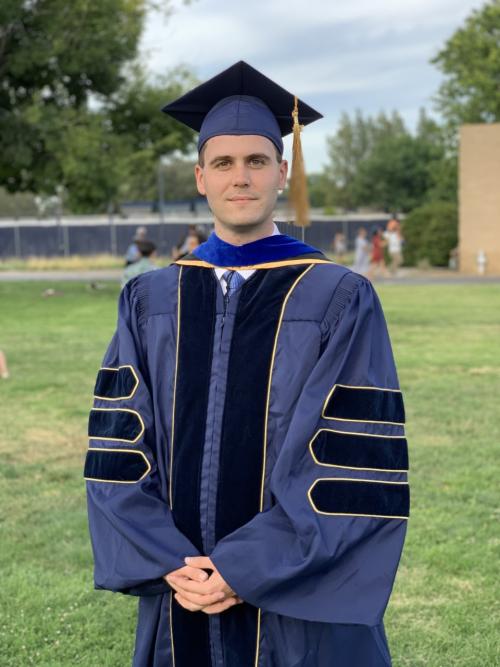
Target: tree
pixel 350 144
pixel 470 61
pixel 134 114
pixel 395 176
pixel 55 57
pixel 376 162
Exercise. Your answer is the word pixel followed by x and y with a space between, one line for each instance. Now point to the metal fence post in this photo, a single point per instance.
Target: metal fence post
pixel 17 240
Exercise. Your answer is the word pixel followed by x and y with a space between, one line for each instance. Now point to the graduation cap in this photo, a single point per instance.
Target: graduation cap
pixel 241 100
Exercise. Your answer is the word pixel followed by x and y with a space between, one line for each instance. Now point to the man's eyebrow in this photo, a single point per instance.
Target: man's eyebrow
pixel 219 158
pixel 260 156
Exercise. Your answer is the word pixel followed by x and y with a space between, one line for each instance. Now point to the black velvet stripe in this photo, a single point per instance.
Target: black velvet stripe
pixel 360 451
pixel 115 466
pixel 375 499
pixel 114 383
pixel 242 446
pixel 360 404
pixel 191 637
pixel 115 424
pixel 197 321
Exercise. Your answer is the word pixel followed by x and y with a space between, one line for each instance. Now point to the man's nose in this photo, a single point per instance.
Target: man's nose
pixel 241 175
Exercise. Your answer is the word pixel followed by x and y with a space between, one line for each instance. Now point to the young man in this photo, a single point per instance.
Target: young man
pixel 247 472
pixel 147 251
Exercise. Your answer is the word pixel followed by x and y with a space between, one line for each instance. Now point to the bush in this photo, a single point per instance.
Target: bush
pixel 430 232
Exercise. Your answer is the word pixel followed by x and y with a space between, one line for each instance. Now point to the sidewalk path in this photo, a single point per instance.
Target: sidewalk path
pixel 60 276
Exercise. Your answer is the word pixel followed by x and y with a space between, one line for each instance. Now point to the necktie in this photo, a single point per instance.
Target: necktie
pixel 233 281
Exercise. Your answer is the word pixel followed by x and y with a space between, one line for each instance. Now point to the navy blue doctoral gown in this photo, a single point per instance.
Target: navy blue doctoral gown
pixel 267 433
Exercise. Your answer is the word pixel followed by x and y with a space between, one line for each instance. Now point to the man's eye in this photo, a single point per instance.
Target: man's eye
pixel 223 164
pixel 257 162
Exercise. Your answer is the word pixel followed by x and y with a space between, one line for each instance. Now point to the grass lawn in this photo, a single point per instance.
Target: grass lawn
pixel 445 608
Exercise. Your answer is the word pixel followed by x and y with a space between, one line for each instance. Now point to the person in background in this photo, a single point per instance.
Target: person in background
pixel 4 371
pixel 133 253
pixel 189 242
pixel 361 253
pixel 394 241
pixel 339 247
pixel 377 265
pixel 147 250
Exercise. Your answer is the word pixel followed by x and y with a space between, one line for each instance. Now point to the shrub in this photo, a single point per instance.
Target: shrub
pixel 430 232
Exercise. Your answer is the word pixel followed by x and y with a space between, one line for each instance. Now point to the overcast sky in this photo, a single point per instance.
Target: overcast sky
pixel 336 55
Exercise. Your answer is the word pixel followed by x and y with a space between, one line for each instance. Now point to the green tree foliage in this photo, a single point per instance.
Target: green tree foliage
pixel 431 232
pixel 54 54
pixel 470 61
pixel 134 114
pixel 74 112
pixel 378 163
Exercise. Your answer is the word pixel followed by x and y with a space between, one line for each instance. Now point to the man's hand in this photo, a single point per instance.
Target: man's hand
pixel 196 591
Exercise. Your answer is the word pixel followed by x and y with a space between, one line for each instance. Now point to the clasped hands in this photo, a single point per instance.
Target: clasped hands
pixel 198 591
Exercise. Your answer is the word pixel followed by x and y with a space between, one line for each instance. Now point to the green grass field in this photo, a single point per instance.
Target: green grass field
pixel 445 608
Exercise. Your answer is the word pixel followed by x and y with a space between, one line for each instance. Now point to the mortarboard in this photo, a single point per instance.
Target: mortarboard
pixel 241 100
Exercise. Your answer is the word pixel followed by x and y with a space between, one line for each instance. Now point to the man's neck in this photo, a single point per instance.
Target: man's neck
pixel 241 236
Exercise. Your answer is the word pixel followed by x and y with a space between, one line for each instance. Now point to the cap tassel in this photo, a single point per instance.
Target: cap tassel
pixel 298 197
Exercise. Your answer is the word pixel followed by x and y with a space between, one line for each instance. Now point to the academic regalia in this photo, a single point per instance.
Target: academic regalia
pixel 265 431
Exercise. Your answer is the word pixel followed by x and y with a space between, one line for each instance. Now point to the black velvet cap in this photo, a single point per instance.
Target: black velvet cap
pixel 240 100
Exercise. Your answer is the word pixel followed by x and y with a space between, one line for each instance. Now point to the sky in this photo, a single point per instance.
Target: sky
pixel 336 55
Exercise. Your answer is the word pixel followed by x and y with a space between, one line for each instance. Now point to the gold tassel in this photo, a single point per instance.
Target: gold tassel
pixel 298 196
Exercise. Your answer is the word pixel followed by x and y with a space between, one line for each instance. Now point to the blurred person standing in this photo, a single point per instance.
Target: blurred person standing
pixel 339 247
pixel 362 253
pixel 377 264
pixel 194 237
pixel 246 474
pixel 145 263
pixel 394 240
pixel 133 253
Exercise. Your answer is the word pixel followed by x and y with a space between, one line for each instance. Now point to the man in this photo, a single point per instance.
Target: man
pixel 132 254
pixel 146 250
pixel 247 466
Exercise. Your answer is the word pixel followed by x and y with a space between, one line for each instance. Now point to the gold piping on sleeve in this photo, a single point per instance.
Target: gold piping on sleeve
pixel 258 639
pixel 133 412
pixel 353 479
pixel 265 265
pixel 120 398
pixel 366 435
pixel 171 466
pixel 360 421
pixel 123 451
pixel 172 629
pixel 268 397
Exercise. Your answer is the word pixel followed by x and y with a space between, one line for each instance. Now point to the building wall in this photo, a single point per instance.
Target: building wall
pixel 479 197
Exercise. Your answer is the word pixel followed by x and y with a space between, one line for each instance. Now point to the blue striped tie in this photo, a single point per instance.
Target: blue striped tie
pixel 233 281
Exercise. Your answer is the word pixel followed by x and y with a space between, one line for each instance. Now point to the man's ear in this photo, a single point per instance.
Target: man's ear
pixel 283 174
pixel 198 174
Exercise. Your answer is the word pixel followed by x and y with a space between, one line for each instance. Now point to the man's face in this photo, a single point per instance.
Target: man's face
pixel 241 177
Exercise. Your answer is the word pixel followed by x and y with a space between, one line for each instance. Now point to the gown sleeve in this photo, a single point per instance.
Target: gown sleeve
pixel 329 546
pixel 134 539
